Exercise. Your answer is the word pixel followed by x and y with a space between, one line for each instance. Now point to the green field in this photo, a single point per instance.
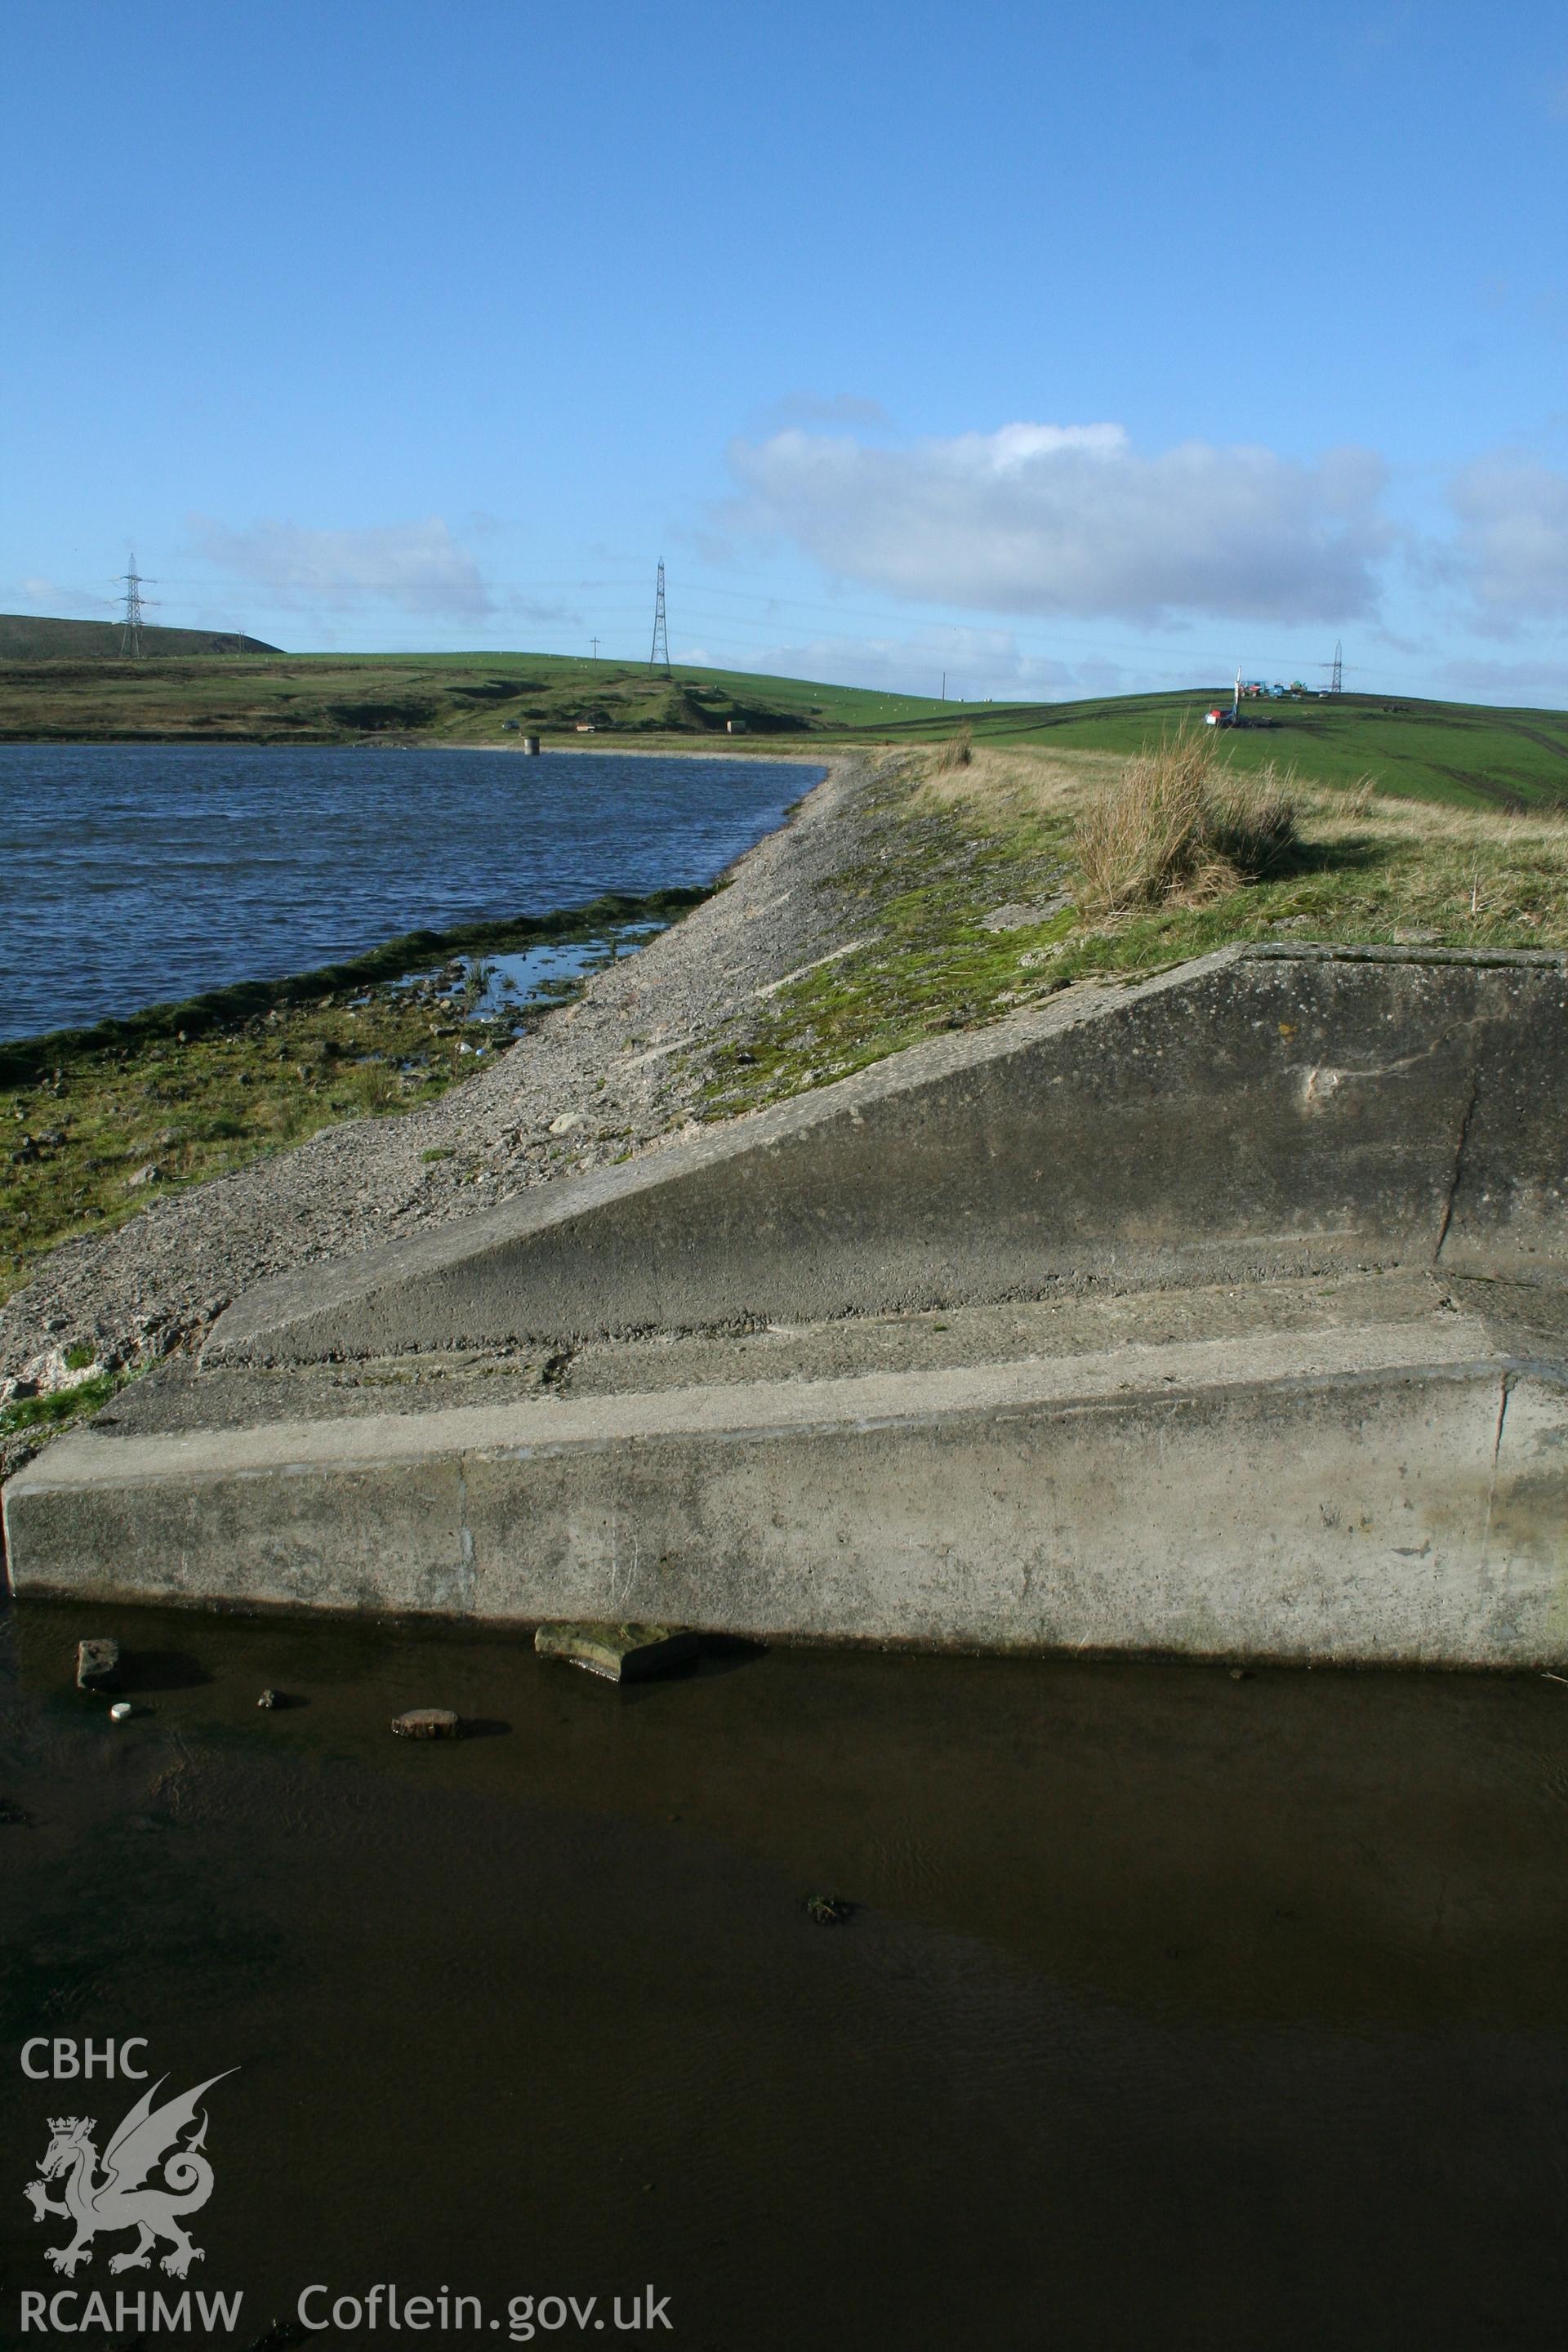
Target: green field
pixel 1463 753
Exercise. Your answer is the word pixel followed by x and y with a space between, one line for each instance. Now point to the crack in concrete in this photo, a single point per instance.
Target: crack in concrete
pixel 1504 1387
pixel 1463 1138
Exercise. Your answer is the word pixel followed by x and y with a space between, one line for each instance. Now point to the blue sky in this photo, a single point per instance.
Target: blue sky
pixel 1059 351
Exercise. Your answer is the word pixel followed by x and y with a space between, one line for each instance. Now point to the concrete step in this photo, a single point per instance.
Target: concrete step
pixel 1364 1469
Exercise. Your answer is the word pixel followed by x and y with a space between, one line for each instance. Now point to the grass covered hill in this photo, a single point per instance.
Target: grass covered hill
pixel 65 690
pixel 989 881
pixel 433 697
pixel 25 638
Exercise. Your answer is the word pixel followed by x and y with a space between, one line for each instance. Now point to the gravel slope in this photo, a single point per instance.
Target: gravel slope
pixel 613 1074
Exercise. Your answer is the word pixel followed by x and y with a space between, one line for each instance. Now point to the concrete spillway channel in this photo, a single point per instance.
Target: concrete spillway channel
pixel 1222 1314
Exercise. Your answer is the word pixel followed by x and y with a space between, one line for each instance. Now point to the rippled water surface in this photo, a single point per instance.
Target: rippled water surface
pixel 1173 2011
pixel 132 876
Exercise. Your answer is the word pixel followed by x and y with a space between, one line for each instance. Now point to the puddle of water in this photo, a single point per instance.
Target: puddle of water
pixel 1171 2010
pixel 510 982
pixel 502 988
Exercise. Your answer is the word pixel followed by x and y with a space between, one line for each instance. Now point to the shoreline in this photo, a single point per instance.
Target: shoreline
pixel 394 958
pixel 232 998
pixel 673 747
pixel 614 1073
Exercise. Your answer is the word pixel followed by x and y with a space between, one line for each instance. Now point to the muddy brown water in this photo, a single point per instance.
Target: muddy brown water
pixel 1174 2009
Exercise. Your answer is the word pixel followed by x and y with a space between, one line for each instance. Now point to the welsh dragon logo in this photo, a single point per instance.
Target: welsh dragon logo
pixel 122 2198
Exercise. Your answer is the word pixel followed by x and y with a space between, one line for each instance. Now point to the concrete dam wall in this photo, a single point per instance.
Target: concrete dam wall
pixel 1219 1315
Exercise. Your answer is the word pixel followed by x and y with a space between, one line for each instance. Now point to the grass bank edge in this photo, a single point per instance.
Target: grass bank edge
pixel 967 832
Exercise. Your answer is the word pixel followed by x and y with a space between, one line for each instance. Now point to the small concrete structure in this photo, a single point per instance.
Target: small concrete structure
pixel 1224 1314
pixel 618 1654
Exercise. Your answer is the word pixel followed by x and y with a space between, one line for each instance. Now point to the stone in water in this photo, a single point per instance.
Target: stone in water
pixel 426 1723
pixel 621 1654
pixel 828 1910
pixel 121 1711
pixel 97 1665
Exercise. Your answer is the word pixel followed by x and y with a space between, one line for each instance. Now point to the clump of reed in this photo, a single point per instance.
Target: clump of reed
pixel 956 752
pixel 1181 825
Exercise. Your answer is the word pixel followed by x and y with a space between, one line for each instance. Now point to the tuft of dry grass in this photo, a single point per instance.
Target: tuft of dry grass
pixel 956 752
pixel 1178 827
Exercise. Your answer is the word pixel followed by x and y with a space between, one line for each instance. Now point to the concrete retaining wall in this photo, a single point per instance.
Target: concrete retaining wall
pixel 1260 1112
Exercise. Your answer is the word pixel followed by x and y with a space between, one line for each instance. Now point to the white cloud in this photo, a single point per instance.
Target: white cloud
pixel 417 567
pixel 1511 546
pixel 1050 518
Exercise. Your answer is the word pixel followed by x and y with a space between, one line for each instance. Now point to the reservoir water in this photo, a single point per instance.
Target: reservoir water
pixel 136 875
pixel 1173 2010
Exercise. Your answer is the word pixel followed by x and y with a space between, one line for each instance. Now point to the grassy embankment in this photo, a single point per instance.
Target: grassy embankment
pixel 1023 829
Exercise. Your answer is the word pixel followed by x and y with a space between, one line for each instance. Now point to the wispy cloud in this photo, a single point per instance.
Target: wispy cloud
pixel 977 664
pixel 1074 520
pixel 37 593
pixel 417 567
pixel 1510 547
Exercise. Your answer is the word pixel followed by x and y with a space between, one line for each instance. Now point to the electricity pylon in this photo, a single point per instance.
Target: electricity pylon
pixel 131 635
pixel 659 656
